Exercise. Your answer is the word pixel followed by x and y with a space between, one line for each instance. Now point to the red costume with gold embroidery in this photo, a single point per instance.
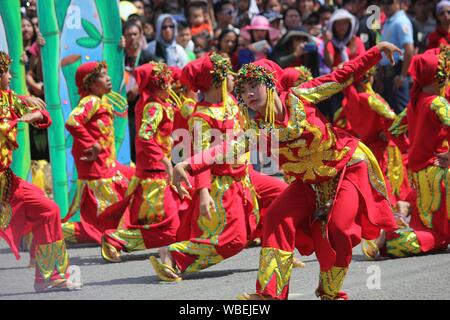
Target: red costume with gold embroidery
pixel 151 220
pixel 101 182
pixel 339 195
pixel 205 242
pixel 428 118
pixel 23 206
pixel 370 118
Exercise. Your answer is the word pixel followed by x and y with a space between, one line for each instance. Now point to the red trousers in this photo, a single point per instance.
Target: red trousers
pixel 392 164
pixel 150 218
pixel 94 197
pixel 227 233
pixel 268 189
pixel 32 211
pixel 358 211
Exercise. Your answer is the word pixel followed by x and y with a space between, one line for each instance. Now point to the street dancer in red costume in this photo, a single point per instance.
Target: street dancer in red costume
pixel 151 205
pixel 339 195
pixel 225 209
pixel 102 180
pixel 370 118
pixel 428 119
pixel 23 206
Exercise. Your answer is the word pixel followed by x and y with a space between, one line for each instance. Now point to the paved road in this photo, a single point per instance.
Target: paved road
pixel 425 277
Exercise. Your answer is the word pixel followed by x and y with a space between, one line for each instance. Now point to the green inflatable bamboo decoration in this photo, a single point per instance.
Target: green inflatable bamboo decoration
pixel 113 55
pixel 69 66
pixel 10 13
pixel 50 30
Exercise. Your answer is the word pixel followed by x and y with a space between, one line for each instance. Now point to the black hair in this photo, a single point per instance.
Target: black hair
pixel 312 19
pixel 223 34
pixel 290 9
pixel 130 24
pixel 182 25
pixel 219 5
pixel 33 39
pixel 195 5
pixel 325 8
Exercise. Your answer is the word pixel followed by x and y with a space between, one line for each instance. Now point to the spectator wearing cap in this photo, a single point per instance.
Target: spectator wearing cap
pixel 442 33
pixel 259 36
pixel 165 48
pixel 227 46
pixel 297 48
pixel 274 21
pixel 424 21
pixel 292 19
pixel 397 30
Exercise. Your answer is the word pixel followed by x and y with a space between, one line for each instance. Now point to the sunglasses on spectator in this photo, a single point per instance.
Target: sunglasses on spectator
pixel 443 12
pixel 168 27
pixel 228 11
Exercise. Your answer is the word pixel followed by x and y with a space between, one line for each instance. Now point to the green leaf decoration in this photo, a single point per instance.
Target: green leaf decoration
pixel 88 42
pixel 91 30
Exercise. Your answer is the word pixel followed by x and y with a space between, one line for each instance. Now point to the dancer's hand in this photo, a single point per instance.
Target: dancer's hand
pixel 389 49
pixel 180 176
pixel 31 117
pixel 206 203
pixel 442 159
pixel 35 102
pixel 91 154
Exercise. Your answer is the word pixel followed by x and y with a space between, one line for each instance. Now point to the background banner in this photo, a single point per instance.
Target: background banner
pixel 78 31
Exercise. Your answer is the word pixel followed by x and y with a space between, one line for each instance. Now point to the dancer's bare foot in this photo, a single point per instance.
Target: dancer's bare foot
pixel 165 268
pixel 371 248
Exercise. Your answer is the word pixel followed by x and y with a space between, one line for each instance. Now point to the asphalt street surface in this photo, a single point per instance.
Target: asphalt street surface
pixel 424 277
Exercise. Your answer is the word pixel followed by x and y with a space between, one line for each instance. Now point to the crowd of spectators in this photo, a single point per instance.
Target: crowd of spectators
pixel 320 34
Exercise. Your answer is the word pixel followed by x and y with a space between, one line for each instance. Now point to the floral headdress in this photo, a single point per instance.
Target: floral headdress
pixel 304 75
pixel 162 75
pixel 5 62
pixel 221 69
pixel 250 72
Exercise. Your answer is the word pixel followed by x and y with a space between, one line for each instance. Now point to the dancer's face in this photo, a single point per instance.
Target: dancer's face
pixel 102 84
pixel 5 80
pixel 254 95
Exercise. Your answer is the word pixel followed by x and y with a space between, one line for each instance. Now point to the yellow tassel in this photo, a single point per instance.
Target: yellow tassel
pixel 245 119
pixel 175 98
pixel 224 92
pixel 270 108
